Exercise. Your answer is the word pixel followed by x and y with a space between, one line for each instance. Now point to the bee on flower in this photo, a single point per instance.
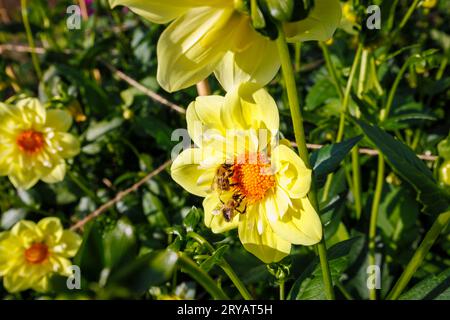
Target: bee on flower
pixel 249 181
pixel 34 143
pixel 30 253
pixel 207 36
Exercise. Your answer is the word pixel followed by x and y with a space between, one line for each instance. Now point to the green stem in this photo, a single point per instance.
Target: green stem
pixel 331 69
pixel 380 177
pixel 299 132
pixel 83 187
pixel 327 280
pixel 281 289
pixel 442 67
pixel 345 103
pixel 348 90
pixel 224 265
pixel 408 14
pixel 190 267
pixel 420 254
pixel 356 169
pixel 374 218
pixel 26 24
pixel 344 291
pixel 363 72
pixel 298 55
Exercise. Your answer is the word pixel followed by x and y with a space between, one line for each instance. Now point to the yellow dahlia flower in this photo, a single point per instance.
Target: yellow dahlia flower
pixel 248 181
pixel 34 143
pixel 31 252
pixel 214 36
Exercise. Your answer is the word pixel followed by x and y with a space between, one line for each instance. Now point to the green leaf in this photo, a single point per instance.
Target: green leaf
pixel 120 244
pixel 148 270
pixel 192 219
pixel 434 287
pixel 405 162
pixel 96 130
pixel 310 286
pixel 215 258
pixel 327 159
pixel 322 91
pixel 90 256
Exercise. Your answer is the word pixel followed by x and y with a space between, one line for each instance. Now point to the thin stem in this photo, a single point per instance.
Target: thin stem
pixel 380 177
pixel 299 132
pixel 298 55
pixel 224 265
pixel 420 254
pixel 348 89
pixel 442 67
pixel 327 280
pixel 344 291
pixel 363 72
pixel 345 103
pixel 83 187
pixel 356 169
pixel 26 24
pixel 408 14
pixel 281 283
pixel 374 218
pixel 190 267
pixel 331 69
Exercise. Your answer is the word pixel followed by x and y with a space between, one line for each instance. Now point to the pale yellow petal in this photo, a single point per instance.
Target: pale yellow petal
pixel 68 245
pixel 56 175
pixel 291 172
pixel 258 62
pixel 23 179
pixel 319 25
pixel 27 232
pixel 189 171
pixel 213 217
pixel 69 145
pixel 52 230
pixel 203 118
pixel 259 239
pixel 60 120
pixel 250 107
pixel 164 11
pixel 32 111
pixel 192 46
pixel 300 225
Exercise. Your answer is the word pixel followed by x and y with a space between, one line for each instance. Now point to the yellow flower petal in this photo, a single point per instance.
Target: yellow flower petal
pixel 250 107
pixel 191 47
pixel 300 225
pixel 203 116
pixel 189 171
pixel 164 11
pixel 292 174
pixel 258 63
pixel 320 24
pixel 60 120
pixel 27 232
pixel 56 175
pixel 52 230
pixel 23 179
pixel 69 244
pixel 258 237
pixel 213 218
pixel 69 145
pixel 32 111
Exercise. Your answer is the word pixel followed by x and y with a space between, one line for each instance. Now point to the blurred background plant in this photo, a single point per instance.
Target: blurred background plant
pixel 141 244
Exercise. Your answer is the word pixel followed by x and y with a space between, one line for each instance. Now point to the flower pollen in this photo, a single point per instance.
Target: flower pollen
pixel 30 141
pixel 253 178
pixel 37 253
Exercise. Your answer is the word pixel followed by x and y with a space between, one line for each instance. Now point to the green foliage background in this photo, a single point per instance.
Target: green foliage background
pixel 125 135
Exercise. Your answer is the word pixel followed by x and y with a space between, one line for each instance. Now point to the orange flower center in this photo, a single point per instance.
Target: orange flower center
pixel 30 141
pixel 37 253
pixel 253 177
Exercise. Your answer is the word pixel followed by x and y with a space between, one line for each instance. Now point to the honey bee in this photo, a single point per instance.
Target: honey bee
pixel 228 209
pixel 222 178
